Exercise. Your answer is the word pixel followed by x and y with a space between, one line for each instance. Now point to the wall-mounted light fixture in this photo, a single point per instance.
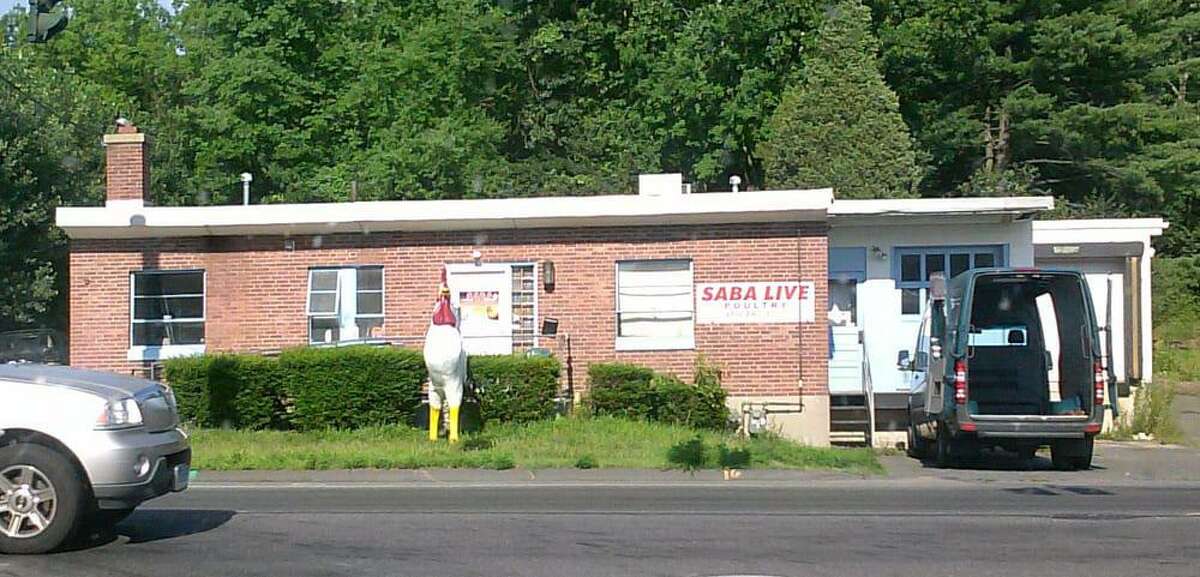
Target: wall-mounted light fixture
pixel 548 275
pixel 477 257
pixel 879 253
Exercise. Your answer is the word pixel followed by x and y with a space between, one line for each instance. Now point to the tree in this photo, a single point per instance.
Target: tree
pixel 48 158
pixel 841 126
pixel 1093 102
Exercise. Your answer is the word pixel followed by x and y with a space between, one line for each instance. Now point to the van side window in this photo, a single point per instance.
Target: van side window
pixel 921 362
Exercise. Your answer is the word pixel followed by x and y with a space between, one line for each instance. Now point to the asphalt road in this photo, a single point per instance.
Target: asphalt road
pixel 916 526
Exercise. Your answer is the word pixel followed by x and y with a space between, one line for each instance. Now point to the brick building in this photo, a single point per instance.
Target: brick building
pixel 657 278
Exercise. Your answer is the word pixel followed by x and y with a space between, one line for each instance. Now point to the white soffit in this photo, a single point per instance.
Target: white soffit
pixel 445 215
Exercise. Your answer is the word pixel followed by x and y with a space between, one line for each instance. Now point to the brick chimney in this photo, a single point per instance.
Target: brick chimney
pixel 127 166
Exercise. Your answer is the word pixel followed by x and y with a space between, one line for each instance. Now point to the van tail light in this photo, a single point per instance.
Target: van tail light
pixel 1098 383
pixel 960 382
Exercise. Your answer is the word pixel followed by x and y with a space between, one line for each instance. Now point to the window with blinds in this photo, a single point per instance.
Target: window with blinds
pixel 655 305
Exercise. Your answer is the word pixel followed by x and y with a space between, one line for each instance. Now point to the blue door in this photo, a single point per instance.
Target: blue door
pixel 911 269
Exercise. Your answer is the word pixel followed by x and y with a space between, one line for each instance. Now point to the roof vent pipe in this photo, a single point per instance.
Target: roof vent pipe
pixel 247 178
pixel 735 181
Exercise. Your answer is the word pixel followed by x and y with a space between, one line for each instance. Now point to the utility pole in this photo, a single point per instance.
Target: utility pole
pixel 44 22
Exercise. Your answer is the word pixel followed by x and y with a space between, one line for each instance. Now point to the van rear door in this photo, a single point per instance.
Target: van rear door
pixel 1031 344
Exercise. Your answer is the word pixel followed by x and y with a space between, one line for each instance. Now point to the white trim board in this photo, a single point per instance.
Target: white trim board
pixel 427 215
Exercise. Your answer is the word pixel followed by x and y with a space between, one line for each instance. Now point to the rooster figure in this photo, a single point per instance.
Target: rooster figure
pixel 446 361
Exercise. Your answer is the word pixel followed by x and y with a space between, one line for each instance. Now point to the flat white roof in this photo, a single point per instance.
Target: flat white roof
pixel 1097 230
pixel 131 220
pixel 1016 205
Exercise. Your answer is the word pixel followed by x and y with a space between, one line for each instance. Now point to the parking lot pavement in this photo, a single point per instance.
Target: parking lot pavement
pixel 1113 463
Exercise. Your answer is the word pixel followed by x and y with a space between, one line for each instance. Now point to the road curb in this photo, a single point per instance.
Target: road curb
pixel 509 477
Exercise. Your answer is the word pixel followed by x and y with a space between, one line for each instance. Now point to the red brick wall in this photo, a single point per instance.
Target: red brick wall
pixel 256 291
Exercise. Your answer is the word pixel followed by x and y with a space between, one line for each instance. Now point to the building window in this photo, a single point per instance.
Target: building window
pixel 167 309
pixel 655 305
pixel 524 307
pixel 916 265
pixel 344 304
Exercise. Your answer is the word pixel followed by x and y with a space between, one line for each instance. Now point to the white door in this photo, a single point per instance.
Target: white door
pixel 1108 296
pixel 483 297
pixel 1106 283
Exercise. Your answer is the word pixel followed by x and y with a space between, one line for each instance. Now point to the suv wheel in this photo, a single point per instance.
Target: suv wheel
pixel 918 448
pixel 41 499
pixel 943 456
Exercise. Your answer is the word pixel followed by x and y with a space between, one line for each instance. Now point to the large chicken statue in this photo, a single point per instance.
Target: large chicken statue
pixel 446 361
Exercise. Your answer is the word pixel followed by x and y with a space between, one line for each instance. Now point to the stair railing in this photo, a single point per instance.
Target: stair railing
pixel 868 387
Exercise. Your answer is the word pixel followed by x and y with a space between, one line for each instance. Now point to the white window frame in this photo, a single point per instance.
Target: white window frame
pixel 629 343
pixel 158 352
pixel 339 298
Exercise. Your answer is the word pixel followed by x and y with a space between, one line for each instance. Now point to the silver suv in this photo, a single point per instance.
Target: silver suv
pixel 81 449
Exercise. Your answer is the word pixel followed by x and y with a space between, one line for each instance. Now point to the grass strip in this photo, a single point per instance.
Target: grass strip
pixel 601 442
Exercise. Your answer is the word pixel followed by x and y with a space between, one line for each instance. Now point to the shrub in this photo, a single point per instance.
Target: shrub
pixel 611 374
pixel 515 388
pixel 636 392
pixel 352 387
pixel 586 462
pixel 689 455
pixel 737 458
pixel 188 378
pixel 228 391
pixel 622 390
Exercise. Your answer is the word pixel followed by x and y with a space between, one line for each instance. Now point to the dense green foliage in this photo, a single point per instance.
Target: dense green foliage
pixel 1097 103
pixel 1176 316
pixel 228 391
pixel 305 388
pixel 841 125
pixel 347 388
pixel 634 392
pixel 352 387
pixel 515 388
pixel 1176 302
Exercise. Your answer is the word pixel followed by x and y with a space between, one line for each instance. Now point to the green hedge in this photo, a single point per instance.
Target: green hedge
pixel 352 387
pixel 514 388
pixel 228 391
pixel 635 392
pixel 347 388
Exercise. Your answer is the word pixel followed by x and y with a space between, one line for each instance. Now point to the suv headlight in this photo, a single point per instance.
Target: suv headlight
pixel 120 414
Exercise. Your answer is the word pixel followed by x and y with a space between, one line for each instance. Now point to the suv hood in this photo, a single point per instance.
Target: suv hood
pixel 106 385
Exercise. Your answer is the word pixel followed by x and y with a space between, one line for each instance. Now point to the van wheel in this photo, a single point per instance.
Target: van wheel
pixel 1083 461
pixel 942 456
pixel 41 499
pixel 917 448
pixel 1072 455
